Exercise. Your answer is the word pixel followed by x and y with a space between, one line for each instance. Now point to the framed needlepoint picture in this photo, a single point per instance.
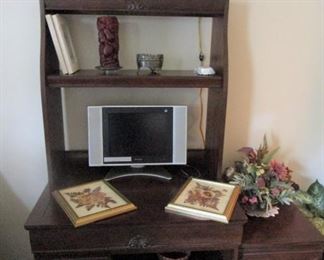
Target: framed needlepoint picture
pixel 205 199
pixel 92 201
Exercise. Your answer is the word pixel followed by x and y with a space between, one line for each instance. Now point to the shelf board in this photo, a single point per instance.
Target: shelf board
pixel 130 78
pixel 206 8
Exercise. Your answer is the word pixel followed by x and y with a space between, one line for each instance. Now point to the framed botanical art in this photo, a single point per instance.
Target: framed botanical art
pixel 205 199
pixel 92 201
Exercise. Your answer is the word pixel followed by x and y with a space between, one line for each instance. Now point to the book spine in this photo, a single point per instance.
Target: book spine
pixel 56 43
pixel 66 44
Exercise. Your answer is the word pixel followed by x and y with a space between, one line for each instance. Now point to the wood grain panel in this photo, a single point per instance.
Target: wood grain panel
pixel 208 8
pixel 131 79
pixel 217 98
pixel 51 105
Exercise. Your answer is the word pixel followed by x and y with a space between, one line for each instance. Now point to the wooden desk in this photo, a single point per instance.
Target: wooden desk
pixel 288 236
pixel 147 230
pixel 150 230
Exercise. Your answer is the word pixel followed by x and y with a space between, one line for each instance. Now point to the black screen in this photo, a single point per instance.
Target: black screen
pixel 142 133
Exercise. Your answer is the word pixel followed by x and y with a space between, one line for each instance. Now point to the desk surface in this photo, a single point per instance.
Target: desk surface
pixel 289 235
pixel 149 229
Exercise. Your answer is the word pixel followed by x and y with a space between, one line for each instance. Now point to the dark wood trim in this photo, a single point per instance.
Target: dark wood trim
pixel 51 104
pixel 131 79
pixel 206 8
pixel 217 98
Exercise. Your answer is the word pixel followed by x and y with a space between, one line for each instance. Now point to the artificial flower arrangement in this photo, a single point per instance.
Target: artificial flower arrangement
pixel 264 182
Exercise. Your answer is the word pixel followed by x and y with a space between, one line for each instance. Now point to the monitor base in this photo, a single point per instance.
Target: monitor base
pixel 149 171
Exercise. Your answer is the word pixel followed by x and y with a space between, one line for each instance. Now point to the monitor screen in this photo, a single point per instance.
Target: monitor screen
pixel 137 135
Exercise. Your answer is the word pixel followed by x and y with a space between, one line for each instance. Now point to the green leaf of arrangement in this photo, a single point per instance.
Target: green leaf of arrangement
pixel 281 184
pixel 269 204
pixel 246 182
pixel 265 142
pixel 286 200
pixel 303 197
pixel 286 196
pixel 268 157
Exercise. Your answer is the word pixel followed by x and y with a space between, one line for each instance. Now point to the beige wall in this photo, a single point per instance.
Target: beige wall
pixel 276 87
pixel 276 82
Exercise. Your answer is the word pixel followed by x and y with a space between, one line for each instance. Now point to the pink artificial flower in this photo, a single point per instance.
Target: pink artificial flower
pixel 245 199
pixel 282 171
pixel 250 153
pixel 253 200
pixel 261 183
pixel 275 192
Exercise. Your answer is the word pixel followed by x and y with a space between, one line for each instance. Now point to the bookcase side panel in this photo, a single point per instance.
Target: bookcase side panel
pixel 51 105
pixel 217 98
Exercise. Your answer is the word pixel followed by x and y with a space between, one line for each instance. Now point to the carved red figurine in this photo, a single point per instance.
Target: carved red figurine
pixel 108 41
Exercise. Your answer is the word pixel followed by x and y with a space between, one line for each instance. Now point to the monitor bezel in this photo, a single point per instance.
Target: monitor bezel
pixel 95 136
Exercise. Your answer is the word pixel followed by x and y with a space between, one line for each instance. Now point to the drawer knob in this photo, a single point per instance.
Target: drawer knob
pixel 138 242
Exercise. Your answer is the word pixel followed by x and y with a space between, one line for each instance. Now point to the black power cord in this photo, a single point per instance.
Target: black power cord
pixel 190 171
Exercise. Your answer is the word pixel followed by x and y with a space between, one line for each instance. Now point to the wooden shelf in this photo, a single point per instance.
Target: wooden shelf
pixel 206 8
pixel 130 78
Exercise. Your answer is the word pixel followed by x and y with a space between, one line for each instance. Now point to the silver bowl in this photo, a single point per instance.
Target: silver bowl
pixel 153 62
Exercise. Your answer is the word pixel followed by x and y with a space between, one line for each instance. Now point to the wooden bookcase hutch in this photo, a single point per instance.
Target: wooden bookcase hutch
pixel 52 81
pixel 149 229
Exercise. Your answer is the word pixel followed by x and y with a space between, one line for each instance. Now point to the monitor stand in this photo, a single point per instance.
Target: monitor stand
pixel 127 171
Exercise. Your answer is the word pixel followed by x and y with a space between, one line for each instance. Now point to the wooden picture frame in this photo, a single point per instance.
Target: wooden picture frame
pixel 206 200
pixel 91 202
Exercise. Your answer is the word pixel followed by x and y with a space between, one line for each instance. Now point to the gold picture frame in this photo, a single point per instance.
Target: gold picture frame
pixel 93 201
pixel 205 200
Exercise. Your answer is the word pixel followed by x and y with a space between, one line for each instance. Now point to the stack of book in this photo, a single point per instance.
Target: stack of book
pixel 63 44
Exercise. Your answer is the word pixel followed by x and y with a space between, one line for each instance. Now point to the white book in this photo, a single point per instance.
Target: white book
pixel 56 43
pixel 65 40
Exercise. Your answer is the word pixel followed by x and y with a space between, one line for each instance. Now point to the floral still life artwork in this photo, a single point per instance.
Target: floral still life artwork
pixel 205 196
pixel 205 199
pixel 92 201
pixel 265 183
pixel 91 198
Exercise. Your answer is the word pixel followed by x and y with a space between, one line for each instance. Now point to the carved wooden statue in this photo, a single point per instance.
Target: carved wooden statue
pixel 108 41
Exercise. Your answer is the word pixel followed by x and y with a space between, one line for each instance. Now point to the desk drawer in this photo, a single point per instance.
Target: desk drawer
pixel 138 239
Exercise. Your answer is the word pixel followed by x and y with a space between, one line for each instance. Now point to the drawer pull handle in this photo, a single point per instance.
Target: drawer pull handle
pixel 138 242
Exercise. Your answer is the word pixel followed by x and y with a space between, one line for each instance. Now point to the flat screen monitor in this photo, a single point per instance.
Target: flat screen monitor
pixel 137 135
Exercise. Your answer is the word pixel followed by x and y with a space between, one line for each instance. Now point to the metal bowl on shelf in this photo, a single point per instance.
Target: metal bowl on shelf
pixel 153 62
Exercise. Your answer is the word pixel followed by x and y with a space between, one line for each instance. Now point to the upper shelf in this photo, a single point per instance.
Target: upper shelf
pixel 130 78
pixel 205 8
